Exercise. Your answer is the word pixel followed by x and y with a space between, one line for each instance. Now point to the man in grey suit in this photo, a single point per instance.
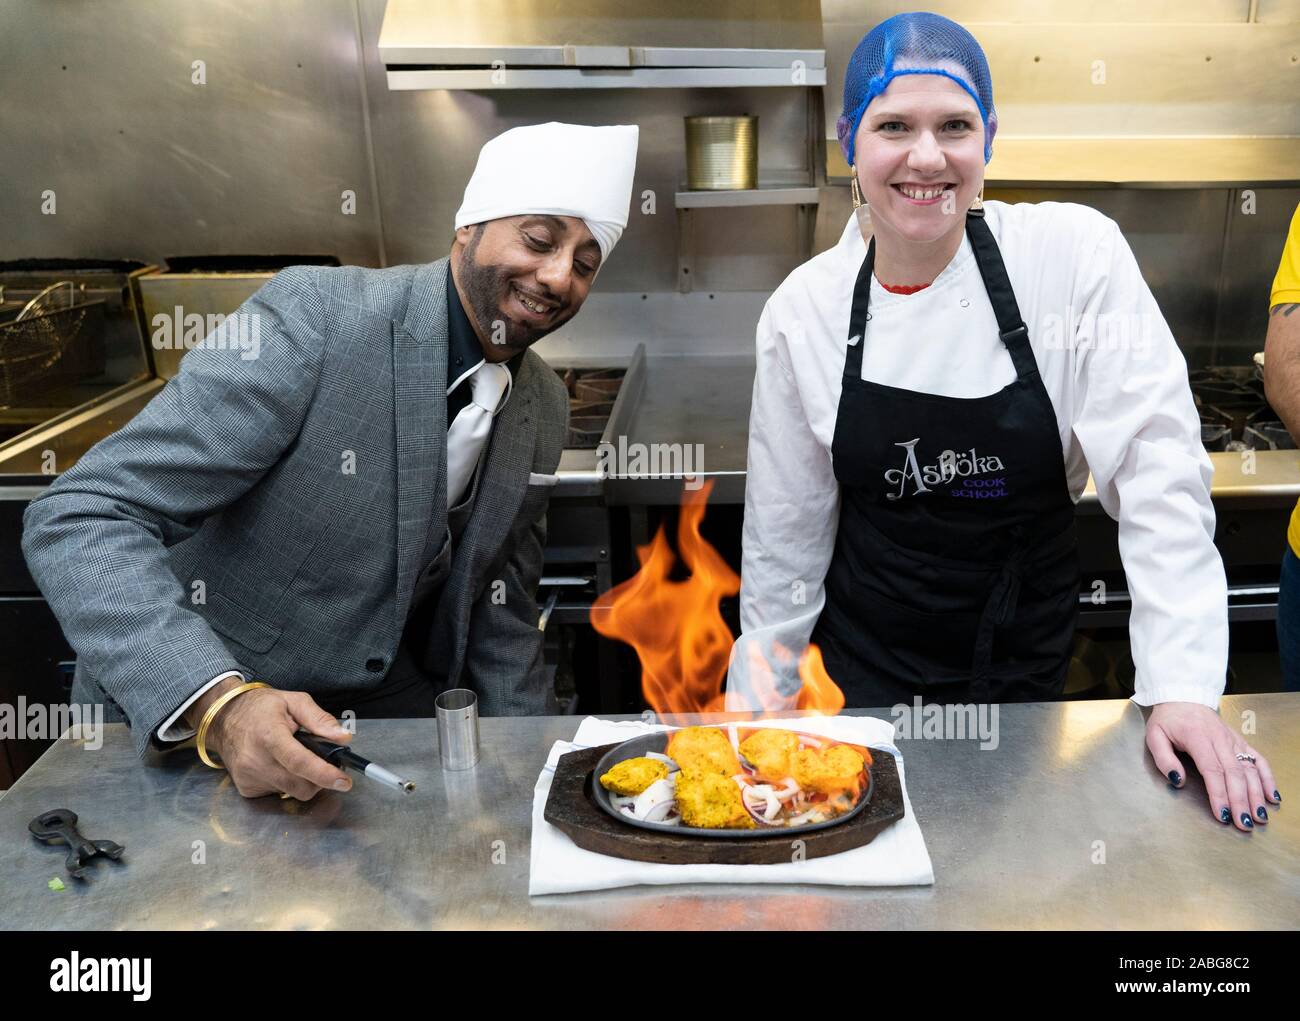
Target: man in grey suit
pixel 352 509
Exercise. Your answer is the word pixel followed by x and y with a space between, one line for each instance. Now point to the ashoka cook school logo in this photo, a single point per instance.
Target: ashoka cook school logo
pixel 978 474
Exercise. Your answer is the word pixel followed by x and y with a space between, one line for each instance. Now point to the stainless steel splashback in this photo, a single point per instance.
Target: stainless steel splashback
pixel 104 111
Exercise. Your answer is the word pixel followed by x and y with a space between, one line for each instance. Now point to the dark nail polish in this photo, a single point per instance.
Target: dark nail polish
pixel 1277 796
pixel 1175 777
pixel 1245 821
pixel 1225 815
pixel 1261 813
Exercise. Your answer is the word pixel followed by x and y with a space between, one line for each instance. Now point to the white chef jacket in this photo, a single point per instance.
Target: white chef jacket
pixel 1124 410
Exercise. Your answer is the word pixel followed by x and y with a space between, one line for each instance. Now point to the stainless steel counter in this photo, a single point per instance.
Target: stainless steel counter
pixel 1014 833
pixel 690 399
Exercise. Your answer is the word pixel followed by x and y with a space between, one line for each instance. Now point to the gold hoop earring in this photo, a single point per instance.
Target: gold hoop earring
pixel 853 187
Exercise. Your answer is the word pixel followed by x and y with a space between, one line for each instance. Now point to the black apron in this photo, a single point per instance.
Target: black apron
pixel 955 574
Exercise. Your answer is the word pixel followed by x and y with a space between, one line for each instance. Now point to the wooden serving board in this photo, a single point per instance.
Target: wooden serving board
pixel 570 808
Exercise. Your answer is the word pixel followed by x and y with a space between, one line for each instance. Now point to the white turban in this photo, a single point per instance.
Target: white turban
pixel 556 169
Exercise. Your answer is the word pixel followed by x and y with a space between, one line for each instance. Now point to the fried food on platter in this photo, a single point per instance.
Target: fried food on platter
pixel 771 752
pixel 828 771
pixel 703 750
pixel 632 776
pixel 711 780
pixel 711 801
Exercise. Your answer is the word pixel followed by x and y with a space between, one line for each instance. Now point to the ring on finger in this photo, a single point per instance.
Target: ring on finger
pixel 1246 757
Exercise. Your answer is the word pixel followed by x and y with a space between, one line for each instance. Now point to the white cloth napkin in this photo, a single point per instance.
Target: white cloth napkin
pixel 469 433
pixel 896 857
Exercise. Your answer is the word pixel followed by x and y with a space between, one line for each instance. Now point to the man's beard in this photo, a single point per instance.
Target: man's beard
pixel 485 286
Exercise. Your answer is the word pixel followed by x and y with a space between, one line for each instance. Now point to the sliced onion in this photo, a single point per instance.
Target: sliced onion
pixel 810 742
pixel 620 800
pixel 788 789
pixel 657 793
pixel 735 738
pixel 799 820
pixel 761 802
pixel 660 757
pixel 659 812
pixel 759 817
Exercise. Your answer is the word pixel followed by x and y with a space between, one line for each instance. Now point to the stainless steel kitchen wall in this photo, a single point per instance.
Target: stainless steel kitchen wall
pixel 296 120
pixel 99 107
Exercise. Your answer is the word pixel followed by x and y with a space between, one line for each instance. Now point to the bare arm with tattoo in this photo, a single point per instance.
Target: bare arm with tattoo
pixel 1282 364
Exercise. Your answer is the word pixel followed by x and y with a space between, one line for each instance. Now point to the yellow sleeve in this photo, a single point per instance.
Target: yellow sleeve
pixel 1286 285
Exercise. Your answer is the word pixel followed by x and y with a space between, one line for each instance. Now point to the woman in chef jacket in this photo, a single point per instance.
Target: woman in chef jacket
pixel 926 411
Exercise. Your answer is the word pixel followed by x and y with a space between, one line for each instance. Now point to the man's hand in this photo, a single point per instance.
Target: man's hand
pixel 1237 789
pixel 253 737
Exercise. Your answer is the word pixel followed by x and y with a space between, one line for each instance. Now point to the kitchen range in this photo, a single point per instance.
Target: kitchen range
pixel 683 775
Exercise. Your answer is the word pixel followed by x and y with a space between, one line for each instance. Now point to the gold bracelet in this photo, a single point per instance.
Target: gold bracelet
pixel 201 740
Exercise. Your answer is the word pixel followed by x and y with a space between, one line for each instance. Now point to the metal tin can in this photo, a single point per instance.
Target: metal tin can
pixel 721 153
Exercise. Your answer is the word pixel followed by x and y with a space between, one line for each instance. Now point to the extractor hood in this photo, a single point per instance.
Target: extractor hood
pixel 601 44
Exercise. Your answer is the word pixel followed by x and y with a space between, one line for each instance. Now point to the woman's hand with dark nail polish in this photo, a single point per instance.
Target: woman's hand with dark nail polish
pixel 1262 813
pixel 1237 776
pixel 1246 821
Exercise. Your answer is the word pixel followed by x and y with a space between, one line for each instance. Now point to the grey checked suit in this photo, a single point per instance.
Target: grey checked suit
pixel 236 476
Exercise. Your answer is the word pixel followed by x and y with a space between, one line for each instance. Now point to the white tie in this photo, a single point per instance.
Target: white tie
pixel 469 433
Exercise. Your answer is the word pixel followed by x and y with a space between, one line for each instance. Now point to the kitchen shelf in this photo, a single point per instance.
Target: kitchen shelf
pixel 803 199
pixel 602 44
pixel 769 195
pixel 487 79
pixel 1111 162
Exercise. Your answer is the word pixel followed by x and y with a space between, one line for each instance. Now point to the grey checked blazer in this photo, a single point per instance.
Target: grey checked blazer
pixel 235 475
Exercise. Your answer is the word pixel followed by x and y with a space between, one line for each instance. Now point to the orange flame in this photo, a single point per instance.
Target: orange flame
pixel 677 630
pixel 819 693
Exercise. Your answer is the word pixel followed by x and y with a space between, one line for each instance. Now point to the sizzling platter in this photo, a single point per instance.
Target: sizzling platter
pixel 733 781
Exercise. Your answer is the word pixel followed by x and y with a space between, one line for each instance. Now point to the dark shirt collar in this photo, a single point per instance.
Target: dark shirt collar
pixel 464 352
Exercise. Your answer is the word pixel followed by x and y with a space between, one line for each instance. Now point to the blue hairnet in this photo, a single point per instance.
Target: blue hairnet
pixel 920 41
